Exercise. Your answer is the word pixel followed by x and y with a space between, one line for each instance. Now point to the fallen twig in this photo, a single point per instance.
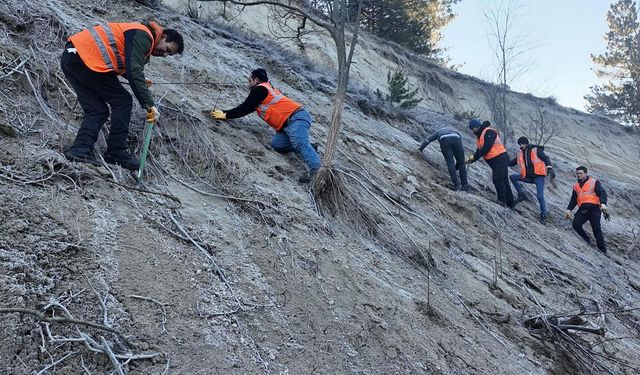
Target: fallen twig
pixel 42 317
pixel 107 349
pixel 53 364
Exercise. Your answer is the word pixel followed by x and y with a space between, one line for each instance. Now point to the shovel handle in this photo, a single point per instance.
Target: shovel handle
pixel 145 150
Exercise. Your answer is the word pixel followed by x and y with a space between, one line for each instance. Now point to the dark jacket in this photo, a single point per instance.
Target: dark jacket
pixel 439 135
pixel 599 190
pixel 527 159
pixel 256 96
pixel 489 139
pixel 137 44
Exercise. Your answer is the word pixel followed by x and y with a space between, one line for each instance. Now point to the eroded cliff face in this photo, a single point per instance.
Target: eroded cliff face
pixel 223 264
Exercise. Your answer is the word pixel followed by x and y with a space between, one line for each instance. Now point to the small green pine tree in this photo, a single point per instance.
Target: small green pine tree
pixel 399 92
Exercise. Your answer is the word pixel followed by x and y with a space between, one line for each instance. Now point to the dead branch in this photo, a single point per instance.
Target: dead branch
pixel 107 349
pixel 42 317
pixel 53 364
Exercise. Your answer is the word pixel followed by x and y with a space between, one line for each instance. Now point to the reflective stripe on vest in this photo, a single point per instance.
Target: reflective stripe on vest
pixel 497 147
pixel 114 46
pixel 276 108
pixel 268 102
pixel 101 48
pixel 539 168
pixel 587 193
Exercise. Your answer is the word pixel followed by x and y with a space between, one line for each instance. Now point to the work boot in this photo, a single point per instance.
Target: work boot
pixel 454 187
pixel 465 188
pixel 82 156
pixel 521 198
pixel 315 146
pixel 543 219
pixel 122 158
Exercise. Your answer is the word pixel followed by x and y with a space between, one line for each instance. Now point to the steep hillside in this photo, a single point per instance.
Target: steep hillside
pixel 222 264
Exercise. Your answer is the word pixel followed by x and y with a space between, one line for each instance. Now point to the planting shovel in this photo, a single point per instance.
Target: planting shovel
pixel 145 148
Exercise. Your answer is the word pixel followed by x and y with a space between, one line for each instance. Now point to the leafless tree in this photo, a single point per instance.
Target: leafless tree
pixel 542 127
pixel 510 48
pixel 341 19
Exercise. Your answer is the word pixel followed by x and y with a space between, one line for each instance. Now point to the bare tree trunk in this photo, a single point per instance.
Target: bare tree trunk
pixel 338 105
pixel 328 185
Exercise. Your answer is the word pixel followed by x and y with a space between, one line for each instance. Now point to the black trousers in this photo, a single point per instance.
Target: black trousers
pixel 97 92
pixel 590 213
pixel 451 148
pixel 500 178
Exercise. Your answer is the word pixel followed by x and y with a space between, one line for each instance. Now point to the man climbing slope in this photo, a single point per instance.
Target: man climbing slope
pixel 92 61
pixel 451 147
pixel 591 199
pixel 490 147
pixel 534 166
pixel 289 119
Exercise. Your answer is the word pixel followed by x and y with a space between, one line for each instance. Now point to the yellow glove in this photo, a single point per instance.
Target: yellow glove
pixel 152 114
pixel 148 82
pixel 567 214
pixel 218 115
pixel 470 159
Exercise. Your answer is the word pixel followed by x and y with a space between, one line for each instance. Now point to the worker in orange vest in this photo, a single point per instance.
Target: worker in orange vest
pixel 288 118
pixel 490 147
pixel 534 165
pixel 591 199
pixel 92 61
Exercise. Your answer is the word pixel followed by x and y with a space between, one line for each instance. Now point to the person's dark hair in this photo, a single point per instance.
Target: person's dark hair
pixel 523 141
pixel 582 168
pixel 260 74
pixel 174 37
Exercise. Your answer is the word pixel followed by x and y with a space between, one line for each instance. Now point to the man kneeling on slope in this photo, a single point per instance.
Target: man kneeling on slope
pixel 92 61
pixel 289 119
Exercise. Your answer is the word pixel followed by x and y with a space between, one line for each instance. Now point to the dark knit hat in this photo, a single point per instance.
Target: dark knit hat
pixel 260 74
pixel 474 124
pixel 523 141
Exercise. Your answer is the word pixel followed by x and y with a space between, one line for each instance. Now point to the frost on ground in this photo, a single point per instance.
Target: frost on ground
pixel 222 264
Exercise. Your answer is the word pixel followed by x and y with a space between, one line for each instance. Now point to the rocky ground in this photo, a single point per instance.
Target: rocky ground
pixel 222 263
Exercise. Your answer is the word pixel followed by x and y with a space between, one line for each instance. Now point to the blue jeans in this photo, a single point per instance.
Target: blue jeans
pixel 295 137
pixel 538 180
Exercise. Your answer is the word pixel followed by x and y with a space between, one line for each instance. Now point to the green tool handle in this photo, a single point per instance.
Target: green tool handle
pixel 145 150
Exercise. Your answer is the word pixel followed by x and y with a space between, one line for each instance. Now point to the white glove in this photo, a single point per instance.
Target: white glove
pixel 603 207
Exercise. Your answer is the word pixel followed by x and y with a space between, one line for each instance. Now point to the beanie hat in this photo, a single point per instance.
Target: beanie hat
pixel 523 141
pixel 260 74
pixel 474 124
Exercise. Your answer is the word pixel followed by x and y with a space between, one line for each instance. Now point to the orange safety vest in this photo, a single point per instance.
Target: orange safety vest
pixel 101 48
pixel 587 193
pixel 276 108
pixel 497 147
pixel 539 168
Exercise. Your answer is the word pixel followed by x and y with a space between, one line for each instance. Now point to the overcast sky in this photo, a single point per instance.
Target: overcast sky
pixel 563 34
